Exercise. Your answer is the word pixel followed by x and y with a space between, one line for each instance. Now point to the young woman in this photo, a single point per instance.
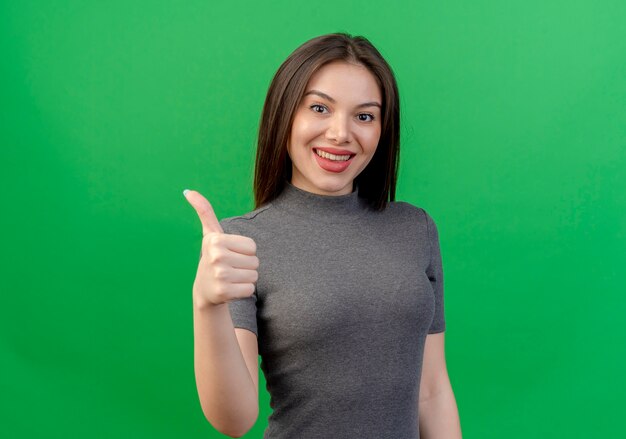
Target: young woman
pixel 337 286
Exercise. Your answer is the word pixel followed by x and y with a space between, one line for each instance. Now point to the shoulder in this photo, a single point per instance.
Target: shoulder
pixel 242 223
pixel 413 214
pixel 404 208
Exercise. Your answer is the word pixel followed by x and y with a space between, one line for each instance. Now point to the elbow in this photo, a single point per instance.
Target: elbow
pixel 233 433
pixel 234 428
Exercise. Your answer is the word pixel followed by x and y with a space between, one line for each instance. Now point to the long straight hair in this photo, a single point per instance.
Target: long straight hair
pixel 377 182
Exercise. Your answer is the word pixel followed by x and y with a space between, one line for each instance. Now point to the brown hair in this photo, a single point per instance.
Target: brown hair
pixel 377 182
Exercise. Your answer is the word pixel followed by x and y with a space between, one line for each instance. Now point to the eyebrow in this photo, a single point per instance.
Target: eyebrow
pixel 325 96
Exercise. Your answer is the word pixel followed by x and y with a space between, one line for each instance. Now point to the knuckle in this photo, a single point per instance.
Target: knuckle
pixel 220 292
pixel 219 298
pixel 213 239
pixel 215 255
pixel 220 273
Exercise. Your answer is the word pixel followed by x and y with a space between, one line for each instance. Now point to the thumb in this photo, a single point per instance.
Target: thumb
pixel 205 212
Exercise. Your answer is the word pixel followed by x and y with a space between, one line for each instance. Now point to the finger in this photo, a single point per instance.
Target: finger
pixel 210 223
pixel 241 291
pixel 241 276
pixel 238 260
pixel 239 244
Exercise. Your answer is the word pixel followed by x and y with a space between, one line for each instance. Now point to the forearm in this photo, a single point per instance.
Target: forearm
pixel 439 417
pixel 227 395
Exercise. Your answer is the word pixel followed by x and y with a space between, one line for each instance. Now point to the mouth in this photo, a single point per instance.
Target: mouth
pixel 333 157
pixel 335 163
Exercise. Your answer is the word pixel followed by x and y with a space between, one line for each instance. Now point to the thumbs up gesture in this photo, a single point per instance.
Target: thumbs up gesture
pixel 228 264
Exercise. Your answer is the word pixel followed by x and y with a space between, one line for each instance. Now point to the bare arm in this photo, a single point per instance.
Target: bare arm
pixel 438 413
pixel 226 374
pixel 225 359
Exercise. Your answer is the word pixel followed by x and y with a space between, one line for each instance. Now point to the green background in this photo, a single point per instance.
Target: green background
pixel 514 134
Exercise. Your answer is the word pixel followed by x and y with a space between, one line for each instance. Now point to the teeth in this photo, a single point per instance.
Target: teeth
pixel 329 156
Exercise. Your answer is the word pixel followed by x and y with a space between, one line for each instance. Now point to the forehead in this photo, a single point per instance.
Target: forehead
pixel 345 81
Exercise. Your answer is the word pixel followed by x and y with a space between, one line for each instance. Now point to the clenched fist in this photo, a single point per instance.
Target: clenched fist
pixel 228 264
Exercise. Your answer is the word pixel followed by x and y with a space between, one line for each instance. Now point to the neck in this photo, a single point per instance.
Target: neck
pixel 320 208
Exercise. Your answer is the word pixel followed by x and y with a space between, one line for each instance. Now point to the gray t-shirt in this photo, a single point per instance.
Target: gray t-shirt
pixel 344 301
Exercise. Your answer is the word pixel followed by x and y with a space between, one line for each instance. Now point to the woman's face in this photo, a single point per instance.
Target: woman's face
pixel 340 118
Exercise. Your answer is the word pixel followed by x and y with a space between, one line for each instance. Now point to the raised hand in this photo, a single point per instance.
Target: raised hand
pixel 228 264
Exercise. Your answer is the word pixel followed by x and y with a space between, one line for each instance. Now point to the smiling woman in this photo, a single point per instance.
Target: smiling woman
pixel 352 88
pixel 333 137
pixel 335 284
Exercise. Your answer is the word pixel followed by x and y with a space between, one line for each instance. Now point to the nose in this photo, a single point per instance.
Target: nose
pixel 339 129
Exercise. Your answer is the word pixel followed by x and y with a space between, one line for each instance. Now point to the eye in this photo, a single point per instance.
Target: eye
pixel 318 108
pixel 363 117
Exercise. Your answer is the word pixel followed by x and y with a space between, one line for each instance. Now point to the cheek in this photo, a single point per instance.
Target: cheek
pixel 369 139
pixel 299 140
pixel 308 130
pixel 295 136
pixel 305 128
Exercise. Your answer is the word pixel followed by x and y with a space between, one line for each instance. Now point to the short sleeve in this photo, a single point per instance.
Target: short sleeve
pixel 435 275
pixel 242 311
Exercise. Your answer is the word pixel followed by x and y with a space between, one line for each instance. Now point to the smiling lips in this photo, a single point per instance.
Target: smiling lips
pixel 333 160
